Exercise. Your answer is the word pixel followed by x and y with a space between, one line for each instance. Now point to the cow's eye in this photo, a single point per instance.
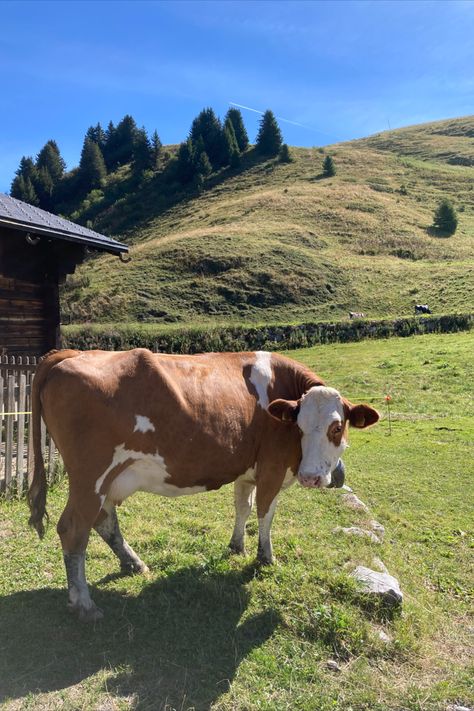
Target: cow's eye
pixel 338 429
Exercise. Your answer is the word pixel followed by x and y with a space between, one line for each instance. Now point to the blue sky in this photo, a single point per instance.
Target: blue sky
pixel 341 69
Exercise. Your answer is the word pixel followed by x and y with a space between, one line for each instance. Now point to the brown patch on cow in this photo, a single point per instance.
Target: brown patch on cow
pixel 336 431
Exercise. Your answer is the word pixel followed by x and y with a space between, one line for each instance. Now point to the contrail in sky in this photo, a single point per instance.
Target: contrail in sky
pixel 280 118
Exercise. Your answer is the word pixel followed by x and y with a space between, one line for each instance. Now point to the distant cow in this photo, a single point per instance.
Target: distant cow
pixel 422 309
pixel 356 314
pixel 172 425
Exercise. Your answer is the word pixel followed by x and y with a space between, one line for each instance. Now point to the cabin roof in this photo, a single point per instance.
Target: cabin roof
pixel 19 215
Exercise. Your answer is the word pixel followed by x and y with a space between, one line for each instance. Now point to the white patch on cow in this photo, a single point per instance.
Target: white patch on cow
pixel 264 532
pixel 261 376
pixel 320 407
pixel 143 424
pixel 147 472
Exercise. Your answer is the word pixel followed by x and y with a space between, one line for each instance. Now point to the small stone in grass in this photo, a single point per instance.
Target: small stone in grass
pixel 333 665
pixel 377 528
pixel 356 531
pixel 353 502
pixel 382 585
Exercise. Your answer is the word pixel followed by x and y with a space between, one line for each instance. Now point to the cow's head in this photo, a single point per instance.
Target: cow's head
pixel 322 416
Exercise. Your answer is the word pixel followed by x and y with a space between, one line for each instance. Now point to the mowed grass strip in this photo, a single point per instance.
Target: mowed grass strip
pixel 207 630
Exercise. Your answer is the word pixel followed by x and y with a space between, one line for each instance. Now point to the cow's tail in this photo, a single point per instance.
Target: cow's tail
pixel 38 486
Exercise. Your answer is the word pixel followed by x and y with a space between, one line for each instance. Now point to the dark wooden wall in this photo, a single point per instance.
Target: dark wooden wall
pixel 29 291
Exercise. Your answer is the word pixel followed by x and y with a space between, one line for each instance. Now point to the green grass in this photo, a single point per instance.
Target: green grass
pixel 275 242
pixel 207 630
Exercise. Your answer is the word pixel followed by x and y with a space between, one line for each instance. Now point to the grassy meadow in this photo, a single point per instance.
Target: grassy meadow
pixel 275 242
pixel 210 631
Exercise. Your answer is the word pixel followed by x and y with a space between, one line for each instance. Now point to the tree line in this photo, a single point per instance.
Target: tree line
pixel 211 145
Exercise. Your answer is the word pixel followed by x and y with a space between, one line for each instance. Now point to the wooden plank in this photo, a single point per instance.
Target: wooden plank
pixel 20 451
pixel 10 403
pixel 2 477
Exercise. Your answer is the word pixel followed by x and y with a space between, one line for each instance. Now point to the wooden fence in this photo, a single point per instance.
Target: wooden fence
pixel 16 440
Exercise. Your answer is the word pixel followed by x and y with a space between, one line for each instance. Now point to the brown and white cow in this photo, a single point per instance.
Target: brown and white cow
pixel 172 425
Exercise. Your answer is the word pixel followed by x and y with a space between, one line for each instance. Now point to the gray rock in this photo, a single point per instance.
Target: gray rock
pixel 377 528
pixel 383 585
pixel 456 707
pixel 353 502
pixel 356 531
pixel 333 665
pixel 384 637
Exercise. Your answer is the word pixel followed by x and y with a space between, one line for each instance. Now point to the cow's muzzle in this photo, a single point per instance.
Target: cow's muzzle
pixel 311 482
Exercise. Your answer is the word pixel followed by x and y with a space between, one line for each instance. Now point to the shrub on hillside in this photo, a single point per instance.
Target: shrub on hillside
pixel 445 218
pixel 329 169
pixel 285 155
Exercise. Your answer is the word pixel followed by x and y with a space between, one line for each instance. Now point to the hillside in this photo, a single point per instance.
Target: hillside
pixel 278 242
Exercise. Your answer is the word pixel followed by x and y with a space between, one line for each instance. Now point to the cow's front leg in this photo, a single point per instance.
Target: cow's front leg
pixel 244 494
pixel 109 530
pixel 265 511
pixel 74 528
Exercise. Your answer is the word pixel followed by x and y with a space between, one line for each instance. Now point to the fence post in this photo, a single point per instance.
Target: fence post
pixel 20 437
pixel 2 479
pixel 9 433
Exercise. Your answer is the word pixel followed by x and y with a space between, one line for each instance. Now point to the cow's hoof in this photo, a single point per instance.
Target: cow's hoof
pixel 264 558
pixel 134 567
pixel 237 548
pixel 86 614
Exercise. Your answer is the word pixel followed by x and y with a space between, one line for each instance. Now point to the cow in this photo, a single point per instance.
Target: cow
pixel 130 421
pixel 422 309
pixel 356 314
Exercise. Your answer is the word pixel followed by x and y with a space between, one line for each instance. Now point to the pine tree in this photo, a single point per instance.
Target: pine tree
pixel 98 135
pixel 22 186
pixel 235 117
pixel 185 168
pixel 92 170
pixel 22 189
pixel 30 193
pixel 142 151
pixel 50 158
pixel 125 134
pixel 156 148
pixel 445 218
pixel 229 144
pixel 27 168
pixel 329 169
pixel 110 145
pixel 269 139
pixel 44 187
pixel 208 126
pixel 203 165
pixel 285 155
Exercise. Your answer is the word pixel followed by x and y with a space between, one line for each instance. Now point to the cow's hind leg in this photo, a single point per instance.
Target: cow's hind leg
pixel 74 528
pixel 244 494
pixel 109 530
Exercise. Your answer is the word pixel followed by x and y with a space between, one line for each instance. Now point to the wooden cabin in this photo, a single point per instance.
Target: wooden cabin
pixel 37 251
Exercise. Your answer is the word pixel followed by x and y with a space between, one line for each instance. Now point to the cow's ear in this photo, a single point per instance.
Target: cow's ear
pixel 360 416
pixel 284 410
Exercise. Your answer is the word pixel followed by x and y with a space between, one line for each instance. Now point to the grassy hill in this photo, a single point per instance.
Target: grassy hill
pixel 274 242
